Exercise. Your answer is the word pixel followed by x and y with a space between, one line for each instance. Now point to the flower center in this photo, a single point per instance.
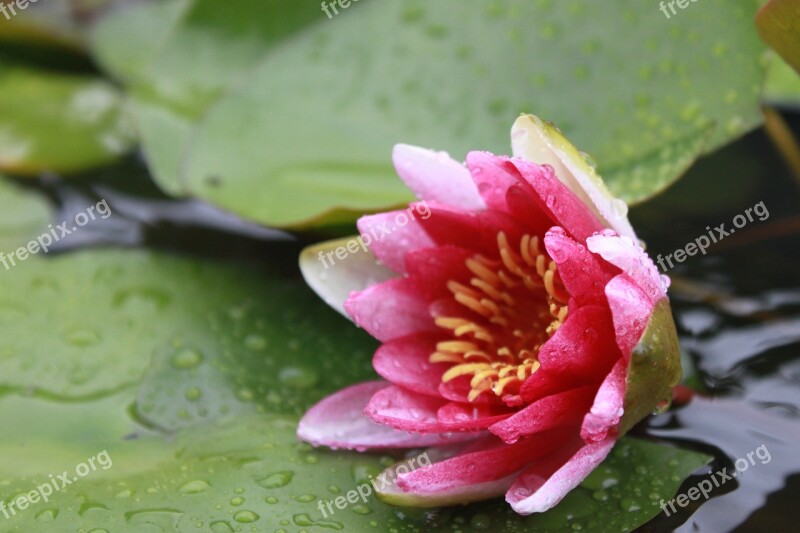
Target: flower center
pixel 512 305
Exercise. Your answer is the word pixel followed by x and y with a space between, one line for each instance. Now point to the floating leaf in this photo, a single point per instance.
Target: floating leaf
pixel 57 122
pixel 23 216
pixel 253 472
pixel 191 375
pixel 783 84
pixel 153 48
pixel 109 313
pixel 314 123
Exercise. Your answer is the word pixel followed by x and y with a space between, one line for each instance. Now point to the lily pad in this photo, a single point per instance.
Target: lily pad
pixel 153 49
pixel 253 473
pixel 783 84
pixel 57 122
pixel 191 376
pixel 109 313
pixel 23 217
pixel 314 122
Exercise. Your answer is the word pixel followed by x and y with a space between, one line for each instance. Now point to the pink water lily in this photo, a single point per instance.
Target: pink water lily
pixel 523 327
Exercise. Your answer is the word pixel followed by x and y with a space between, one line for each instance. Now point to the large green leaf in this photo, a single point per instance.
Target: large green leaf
pixel 783 84
pixel 111 316
pixel 57 122
pixel 191 375
pixel 23 216
pixel 253 474
pixel 308 134
pixel 154 49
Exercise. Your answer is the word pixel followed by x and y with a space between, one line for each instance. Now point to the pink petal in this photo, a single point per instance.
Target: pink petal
pixel 432 268
pixel 389 236
pixel 448 226
pixel 630 309
pixel 436 177
pixel 480 472
pixel 391 310
pixel 405 362
pixel 523 205
pixel 545 383
pixel 471 416
pixel 492 178
pixel 404 410
pixel 464 493
pixel 535 140
pixel 546 483
pixel 338 422
pixel 607 409
pixel 458 389
pixel 565 408
pixel 584 275
pixel 555 199
pixel 583 349
pixel 623 253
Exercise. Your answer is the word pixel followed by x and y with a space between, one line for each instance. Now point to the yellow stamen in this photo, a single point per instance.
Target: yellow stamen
pixel 520 301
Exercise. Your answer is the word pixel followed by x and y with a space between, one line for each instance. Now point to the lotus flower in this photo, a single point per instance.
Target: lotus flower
pixel 524 329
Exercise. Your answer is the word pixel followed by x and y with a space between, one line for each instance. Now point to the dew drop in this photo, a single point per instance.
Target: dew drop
pixel 245 394
pixel 619 207
pixel 629 505
pixel 220 526
pixel 194 487
pixel 193 394
pixel 303 520
pixel 362 509
pixel 186 359
pixel 245 517
pixel 480 521
pixel 278 479
pixel 82 337
pixel 48 515
pixel 255 342
pixel 589 160
pixel 298 377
